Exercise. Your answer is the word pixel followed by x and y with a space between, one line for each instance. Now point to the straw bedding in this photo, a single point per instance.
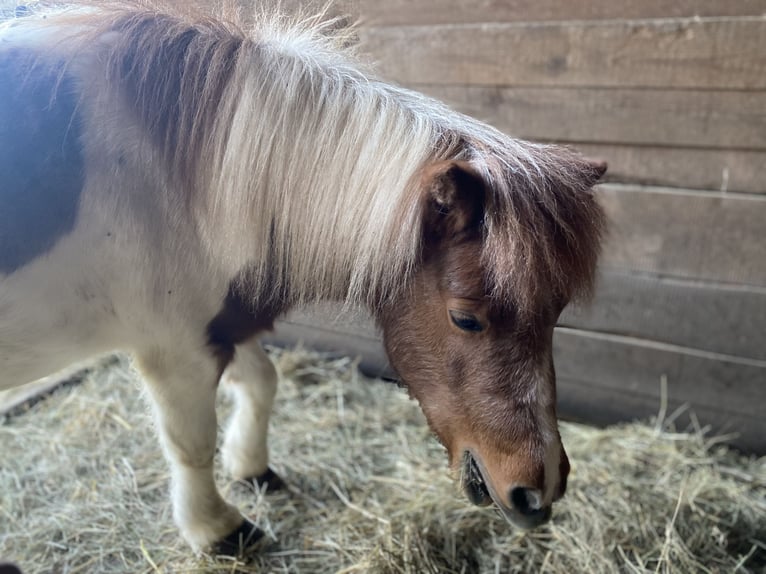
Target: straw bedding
pixel 83 488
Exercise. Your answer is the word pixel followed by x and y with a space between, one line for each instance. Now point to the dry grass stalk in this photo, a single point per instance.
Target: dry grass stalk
pixel 83 488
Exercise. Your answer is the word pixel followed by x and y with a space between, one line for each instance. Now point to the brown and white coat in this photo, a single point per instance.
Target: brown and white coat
pixel 170 185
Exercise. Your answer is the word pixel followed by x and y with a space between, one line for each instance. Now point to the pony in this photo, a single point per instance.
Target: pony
pixel 171 184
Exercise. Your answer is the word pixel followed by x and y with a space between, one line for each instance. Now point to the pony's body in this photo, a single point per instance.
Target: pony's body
pixel 181 186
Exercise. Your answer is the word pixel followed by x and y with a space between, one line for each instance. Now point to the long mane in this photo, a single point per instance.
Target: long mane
pixel 305 165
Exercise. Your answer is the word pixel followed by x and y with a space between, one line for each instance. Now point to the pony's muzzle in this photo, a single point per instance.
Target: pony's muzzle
pixel 474 486
pixel 523 507
pixel 526 500
pixel 527 510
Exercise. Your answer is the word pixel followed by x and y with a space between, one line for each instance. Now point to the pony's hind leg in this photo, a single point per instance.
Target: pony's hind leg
pixel 252 380
pixel 183 388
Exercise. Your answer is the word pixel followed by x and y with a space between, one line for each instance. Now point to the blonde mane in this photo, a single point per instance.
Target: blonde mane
pixel 309 164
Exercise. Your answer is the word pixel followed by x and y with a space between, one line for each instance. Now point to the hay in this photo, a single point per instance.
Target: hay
pixel 83 488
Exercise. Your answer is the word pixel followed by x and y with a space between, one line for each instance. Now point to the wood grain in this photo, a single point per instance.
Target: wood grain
pixel 605 359
pixel 300 329
pixel 704 379
pixel 19 398
pixel 428 12
pixel 407 12
pixel 605 379
pixel 602 406
pixel 706 236
pixel 12 399
pixel 718 318
pixel 719 53
pixel 689 118
pixel 712 169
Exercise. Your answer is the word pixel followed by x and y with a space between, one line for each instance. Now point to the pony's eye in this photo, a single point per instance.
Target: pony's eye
pixel 465 321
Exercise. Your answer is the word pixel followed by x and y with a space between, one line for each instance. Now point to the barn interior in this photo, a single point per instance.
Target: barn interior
pixel 661 378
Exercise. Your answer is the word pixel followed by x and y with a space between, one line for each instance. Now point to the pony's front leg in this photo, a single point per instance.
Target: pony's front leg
pixel 252 380
pixel 183 389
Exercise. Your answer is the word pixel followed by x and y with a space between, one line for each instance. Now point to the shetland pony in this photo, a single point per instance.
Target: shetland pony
pixel 171 185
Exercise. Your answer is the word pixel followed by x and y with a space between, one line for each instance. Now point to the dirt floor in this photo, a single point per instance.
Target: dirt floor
pixel 84 488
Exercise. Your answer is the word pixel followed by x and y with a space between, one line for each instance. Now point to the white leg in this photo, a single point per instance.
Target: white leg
pixel 183 387
pixel 252 380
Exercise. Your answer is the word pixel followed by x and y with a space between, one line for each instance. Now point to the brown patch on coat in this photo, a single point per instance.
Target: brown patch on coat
pixel 239 320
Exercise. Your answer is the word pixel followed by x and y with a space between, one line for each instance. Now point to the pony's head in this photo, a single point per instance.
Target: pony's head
pixel 504 249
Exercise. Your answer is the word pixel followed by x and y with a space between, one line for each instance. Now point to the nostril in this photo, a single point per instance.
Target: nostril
pixel 526 500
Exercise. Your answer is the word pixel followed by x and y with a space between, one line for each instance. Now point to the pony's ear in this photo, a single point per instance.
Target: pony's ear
pixel 454 199
pixel 594 170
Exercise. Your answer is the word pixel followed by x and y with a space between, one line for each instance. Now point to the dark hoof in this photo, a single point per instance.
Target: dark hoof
pixel 269 479
pixel 240 541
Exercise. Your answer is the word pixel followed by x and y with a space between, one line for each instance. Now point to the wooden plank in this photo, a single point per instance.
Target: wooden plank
pixel 22 397
pixel 690 118
pixel 12 399
pixel 714 169
pixel 708 53
pixel 707 236
pixel 425 12
pixel 601 406
pixel 714 318
pixel 728 384
pixel 718 318
pixel 407 12
pixel 304 330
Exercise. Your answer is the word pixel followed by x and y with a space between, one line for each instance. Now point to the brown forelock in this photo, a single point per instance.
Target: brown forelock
pixel 543 228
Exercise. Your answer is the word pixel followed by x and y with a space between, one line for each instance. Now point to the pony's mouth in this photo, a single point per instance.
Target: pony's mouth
pixel 522 514
pixel 473 483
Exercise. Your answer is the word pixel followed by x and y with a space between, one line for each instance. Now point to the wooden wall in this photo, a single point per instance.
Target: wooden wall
pixel 673 96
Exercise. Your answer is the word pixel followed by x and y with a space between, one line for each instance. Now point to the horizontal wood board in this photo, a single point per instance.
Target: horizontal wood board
pixel 703 169
pixel 707 236
pixel 424 12
pixel 686 118
pixel 368 349
pixel 608 379
pixel 716 318
pixel 15 398
pixel 595 405
pixel 429 12
pixel 613 361
pixel 725 54
pixel 18 399
pixel 719 319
